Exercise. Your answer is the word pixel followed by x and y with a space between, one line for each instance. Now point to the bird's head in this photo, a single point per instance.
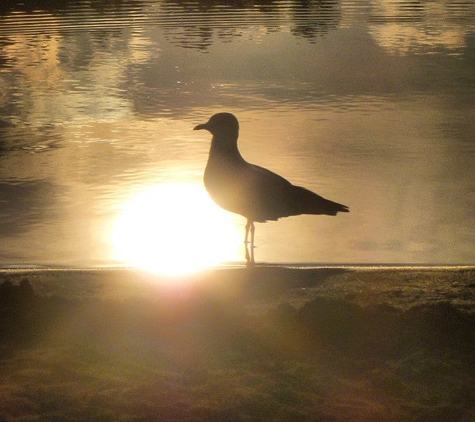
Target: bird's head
pixel 221 124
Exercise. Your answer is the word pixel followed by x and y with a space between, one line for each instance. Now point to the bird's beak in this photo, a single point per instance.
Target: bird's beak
pixel 199 127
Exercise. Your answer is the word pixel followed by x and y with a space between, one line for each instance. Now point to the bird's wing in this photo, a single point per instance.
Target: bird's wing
pixel 270 197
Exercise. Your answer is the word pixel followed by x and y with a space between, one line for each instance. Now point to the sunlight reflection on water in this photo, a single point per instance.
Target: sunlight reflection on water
pixel 173 229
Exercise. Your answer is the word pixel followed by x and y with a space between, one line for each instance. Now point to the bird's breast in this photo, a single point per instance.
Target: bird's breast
pixel 224 180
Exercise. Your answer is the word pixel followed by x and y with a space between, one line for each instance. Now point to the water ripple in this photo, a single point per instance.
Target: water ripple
pixel 173 15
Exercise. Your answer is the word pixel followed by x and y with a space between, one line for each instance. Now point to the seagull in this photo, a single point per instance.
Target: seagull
pixel 252 191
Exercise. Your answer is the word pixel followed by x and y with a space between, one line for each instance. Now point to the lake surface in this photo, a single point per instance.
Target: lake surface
pixel 370 104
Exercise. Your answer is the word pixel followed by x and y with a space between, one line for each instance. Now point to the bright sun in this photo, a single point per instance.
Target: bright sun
pixel 174 229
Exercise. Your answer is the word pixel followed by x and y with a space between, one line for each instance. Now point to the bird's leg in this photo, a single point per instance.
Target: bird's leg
pixel 253 229
pixel 249 256
pixel 248 226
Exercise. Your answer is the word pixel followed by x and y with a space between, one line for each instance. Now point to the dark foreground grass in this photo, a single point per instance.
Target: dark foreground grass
pixel 196 354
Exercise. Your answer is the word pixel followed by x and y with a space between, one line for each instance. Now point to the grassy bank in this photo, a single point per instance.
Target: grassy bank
pixel 199 352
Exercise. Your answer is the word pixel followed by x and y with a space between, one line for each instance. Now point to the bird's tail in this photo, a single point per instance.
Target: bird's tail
pixel 311 203
pixel 335 207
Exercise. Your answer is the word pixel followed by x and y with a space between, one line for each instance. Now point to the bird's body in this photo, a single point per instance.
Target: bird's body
pixel 249 190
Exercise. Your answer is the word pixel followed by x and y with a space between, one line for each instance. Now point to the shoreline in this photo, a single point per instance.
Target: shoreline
pixel 241 265
pixel 264 286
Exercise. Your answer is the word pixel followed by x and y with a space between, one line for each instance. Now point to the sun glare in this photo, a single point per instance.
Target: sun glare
pixel 174 229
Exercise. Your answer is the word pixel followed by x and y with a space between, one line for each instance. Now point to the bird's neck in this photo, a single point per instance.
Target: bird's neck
pixel 225 147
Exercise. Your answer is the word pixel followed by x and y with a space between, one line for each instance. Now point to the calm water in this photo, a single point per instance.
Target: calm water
pixel 368 103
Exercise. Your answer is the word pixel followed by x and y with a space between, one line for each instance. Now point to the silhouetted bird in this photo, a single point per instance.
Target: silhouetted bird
pixel 252 191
